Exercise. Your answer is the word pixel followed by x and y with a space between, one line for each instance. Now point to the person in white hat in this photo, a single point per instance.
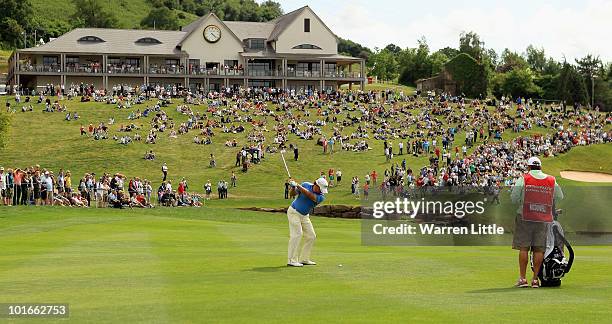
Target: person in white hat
pixel 535 193
pixel 307 196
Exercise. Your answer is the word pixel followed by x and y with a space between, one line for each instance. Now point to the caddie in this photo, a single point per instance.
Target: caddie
pixel 535 193
pixel 307 196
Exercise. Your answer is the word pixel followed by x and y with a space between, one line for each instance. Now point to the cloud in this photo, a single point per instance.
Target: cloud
pixel 562 30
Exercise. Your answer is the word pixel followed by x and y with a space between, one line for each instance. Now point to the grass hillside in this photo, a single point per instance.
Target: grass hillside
pixel 4 56
pixel 46 139
pixel 129 13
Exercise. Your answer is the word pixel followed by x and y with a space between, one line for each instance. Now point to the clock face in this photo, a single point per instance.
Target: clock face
pixel 212 33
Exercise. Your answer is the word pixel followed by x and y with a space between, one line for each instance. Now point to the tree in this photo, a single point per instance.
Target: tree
pixel 269 10
pixel 437 60
pixel 91 13
pixel 510 61
pixel 535 58
pixel 161 18
pixel 448 52
pixel 471 44
pixel 384 65
pixel 591 68
pixel 572 87
pixel 350 48
pixel 393 49
pixel 520 83
pixel 15 18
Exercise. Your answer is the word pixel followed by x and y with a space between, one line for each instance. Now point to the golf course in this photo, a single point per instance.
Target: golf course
pixel 221 264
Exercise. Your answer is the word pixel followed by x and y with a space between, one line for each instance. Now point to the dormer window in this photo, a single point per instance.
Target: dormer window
pixel 256 43
pixel 148 40
pixel 306 46
pixel 91 39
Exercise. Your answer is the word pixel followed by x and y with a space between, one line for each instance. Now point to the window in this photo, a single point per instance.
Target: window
pixel 148 40
pixel 330 67
pixel 256 43
pixel 231 63
pixel 132 61
pixel 91 39
pixel 114 61
pixel 307 25
pixel 306 46
pixel 50 60
pixel 172 62
pixel 194 62
pixel 71 60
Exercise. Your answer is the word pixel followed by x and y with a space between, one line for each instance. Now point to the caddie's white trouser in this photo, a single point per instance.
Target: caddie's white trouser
pixel 299 224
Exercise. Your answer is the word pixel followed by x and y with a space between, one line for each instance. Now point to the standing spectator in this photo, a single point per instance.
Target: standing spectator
pixel 2 186
pixel 287 189
pixel 208 189
pixel 164 169
pixel 233 179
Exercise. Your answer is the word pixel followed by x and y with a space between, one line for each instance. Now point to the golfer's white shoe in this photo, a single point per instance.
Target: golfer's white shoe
pixel 309 262
pixel 294 264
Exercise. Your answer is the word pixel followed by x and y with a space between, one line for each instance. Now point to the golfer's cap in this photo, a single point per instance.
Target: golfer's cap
pixel 534 161
pixel 322 183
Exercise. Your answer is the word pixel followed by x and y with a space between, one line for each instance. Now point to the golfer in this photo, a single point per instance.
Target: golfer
pixel 308 196
pixel 535 193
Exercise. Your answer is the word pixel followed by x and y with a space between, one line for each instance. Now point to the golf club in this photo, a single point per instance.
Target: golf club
pixel 285 163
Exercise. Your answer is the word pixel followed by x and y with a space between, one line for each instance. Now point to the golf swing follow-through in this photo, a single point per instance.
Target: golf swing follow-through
pixel 307 196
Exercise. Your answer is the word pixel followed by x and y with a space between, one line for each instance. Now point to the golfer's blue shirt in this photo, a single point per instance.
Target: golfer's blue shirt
pixel 302 203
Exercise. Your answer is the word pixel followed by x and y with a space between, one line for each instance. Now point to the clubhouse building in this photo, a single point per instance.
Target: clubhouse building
pixel 296 51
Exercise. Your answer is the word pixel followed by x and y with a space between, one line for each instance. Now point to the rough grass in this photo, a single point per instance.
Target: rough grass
pixel 185 265
pixel 384 86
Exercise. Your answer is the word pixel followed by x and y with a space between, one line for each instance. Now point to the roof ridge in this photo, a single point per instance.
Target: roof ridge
pixel 279 18
pixel 128 29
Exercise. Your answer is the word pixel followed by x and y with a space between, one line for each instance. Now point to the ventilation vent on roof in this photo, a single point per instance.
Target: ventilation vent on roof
pixel 306 46
pixel 91 39
pixel 148 40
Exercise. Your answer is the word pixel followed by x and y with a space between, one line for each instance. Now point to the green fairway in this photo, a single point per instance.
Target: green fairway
pixel 216 265
pixel 221 264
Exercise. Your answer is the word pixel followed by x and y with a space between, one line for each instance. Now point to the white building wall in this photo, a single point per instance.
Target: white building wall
pixel 319 35
pixel 227 48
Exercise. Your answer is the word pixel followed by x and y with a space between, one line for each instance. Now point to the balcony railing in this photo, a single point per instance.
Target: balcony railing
pixel 201 70
pixel 55 68
pixel 341 74
pixel 264 73
pixel 124 69
pixel 179 70
pixel 304 74
pixel 166 69
pixel 88 68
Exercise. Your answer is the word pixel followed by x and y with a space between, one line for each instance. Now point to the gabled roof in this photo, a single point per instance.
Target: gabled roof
pixel 189 29
pixel 116 41
pixel 285 20
pixel 244 29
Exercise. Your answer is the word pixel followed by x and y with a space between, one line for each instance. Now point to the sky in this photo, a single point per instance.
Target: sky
pixel 564 28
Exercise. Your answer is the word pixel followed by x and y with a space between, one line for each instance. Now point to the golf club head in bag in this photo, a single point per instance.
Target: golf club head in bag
pixel 555 264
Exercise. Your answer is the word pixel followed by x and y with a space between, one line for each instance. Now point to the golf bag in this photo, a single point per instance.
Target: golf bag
pixel 555 264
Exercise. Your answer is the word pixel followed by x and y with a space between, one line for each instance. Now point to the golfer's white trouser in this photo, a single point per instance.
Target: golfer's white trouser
pixel 298 225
